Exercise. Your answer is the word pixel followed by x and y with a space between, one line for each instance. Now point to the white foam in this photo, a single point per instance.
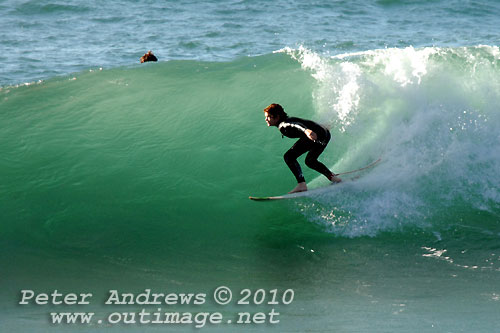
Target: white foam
pixel 431 113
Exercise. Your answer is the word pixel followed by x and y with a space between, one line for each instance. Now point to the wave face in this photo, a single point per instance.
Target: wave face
pixel 139 177
pixel 158 158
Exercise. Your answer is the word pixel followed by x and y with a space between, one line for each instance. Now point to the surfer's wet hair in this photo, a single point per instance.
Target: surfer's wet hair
pixel 276 110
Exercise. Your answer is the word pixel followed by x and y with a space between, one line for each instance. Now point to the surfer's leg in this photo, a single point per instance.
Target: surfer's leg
pixel 299 148
pixel 313 163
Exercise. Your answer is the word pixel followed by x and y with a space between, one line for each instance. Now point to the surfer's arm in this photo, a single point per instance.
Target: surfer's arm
pixel 296 126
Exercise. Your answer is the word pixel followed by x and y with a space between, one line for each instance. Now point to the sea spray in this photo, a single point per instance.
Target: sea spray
pixel 430 113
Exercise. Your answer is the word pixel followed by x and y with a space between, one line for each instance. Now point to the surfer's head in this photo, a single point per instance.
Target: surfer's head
pixel 274 114
pixel 148 57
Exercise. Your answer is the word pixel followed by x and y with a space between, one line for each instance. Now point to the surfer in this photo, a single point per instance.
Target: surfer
pixel 313 138
pixel 149 56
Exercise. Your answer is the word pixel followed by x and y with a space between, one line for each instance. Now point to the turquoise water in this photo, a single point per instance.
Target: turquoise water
pixel 117 175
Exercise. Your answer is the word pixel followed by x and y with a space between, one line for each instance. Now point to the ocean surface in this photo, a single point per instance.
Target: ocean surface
pixel 116 175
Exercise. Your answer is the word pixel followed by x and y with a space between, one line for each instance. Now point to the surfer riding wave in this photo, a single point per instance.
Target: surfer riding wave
pixel 313 138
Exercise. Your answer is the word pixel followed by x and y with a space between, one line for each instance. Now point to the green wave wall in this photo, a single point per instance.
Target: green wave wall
pixel 161 158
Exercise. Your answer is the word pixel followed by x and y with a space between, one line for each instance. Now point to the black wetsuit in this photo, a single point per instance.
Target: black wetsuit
pixel 293 127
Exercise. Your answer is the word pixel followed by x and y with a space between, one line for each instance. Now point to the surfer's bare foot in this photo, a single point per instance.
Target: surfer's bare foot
pixel 301 187
pixel 335 179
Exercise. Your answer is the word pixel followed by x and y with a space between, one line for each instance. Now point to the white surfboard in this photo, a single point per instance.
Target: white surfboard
pixel 316 190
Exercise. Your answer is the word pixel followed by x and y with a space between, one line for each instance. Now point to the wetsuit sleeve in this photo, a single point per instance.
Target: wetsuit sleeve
pixel 292 129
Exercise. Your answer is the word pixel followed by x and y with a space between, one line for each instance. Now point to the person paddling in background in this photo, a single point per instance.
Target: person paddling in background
pixel 149 56
pixel 313 138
